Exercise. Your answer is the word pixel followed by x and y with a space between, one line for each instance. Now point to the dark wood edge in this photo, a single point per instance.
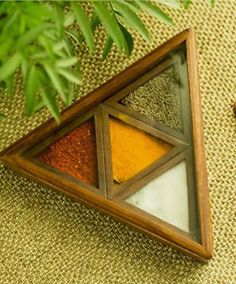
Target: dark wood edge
pixel 199 147
pixel 185 96
pixel 194 223
pixel 38 148
pixel 100 150
pixel 160 232
pixel 107 150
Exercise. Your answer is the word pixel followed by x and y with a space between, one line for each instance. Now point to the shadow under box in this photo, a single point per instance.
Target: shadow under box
pixel 133 148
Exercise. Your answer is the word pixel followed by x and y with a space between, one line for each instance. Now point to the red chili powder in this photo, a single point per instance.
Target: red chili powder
pixel 75 154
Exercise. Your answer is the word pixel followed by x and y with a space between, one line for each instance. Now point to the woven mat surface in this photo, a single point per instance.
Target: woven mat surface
pixel 47 238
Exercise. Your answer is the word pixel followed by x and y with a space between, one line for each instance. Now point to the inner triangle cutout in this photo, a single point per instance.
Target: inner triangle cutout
pixel 166 197
pixel 133 150
pixel 158 99
pixel 75 154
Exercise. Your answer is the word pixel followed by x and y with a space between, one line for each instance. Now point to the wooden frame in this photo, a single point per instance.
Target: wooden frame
pixel 177 144
pixel 134 187
pixel 16 156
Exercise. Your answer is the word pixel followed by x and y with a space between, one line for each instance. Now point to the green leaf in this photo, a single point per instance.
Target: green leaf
pixel 59 18
pixel 51 103
pixel 69 19
pixel 95 21
pixel 110 23
pixel 31 86
pixel 128 38
pixel 9 24
pixel 134 8
pixel 76 37
pixel 10 66
pixel 39 104
pixel 134 4
pixel 69 47
pixel 47 44
pixel 31 35
pixel 170 3
pixel 107 48
pixel 59 46
pixel 2 116
pixel 66 62
pixel 10 85
pixel 6 46
pixel 56 81
pixel 69 76
pixel 84 25
pixel 24 68
pixel 156 12
pixel 187 3
pixel 211 3
pixel 131 18
pixel 70 93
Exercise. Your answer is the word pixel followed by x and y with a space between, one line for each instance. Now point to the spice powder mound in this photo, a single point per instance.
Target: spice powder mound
pixel 158 99
pixel 75 154
pixel 133 150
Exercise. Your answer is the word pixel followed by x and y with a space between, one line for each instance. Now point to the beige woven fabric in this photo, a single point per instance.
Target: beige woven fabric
pixel 47 238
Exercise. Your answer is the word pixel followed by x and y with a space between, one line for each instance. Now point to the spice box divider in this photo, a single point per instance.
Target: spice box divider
pixel 178 146
pixel 186 156
pixel 35 151
pixel 159 68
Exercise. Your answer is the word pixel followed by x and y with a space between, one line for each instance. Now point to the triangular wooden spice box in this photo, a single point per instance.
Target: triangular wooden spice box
pixel 183 223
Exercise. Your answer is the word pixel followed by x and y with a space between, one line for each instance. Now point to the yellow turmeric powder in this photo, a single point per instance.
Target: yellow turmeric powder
pixel 132 150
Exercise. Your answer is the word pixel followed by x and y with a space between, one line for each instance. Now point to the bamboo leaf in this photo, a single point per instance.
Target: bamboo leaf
pixel 76 37
pixel 70 93
pixel 2 116
pixel 187 3
pixel 6 46
pixel 51 103
pixel 170 3
pixel 39 104
pixel 31 86
pixel 131 18
pixel 11 22
pixel 156 12
pixel 10 85
pixel 69 19
pixel 128 38
pixel 134 8
pixel 134 4
pixel 84 24
pixel 69 76
pixel 59 18
pixel 211 3
pixel 31 35
pixel 94 21
pixel 66 62
pixel 10 66
pixel 110 23
pixel 107 48
pixel 52 73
